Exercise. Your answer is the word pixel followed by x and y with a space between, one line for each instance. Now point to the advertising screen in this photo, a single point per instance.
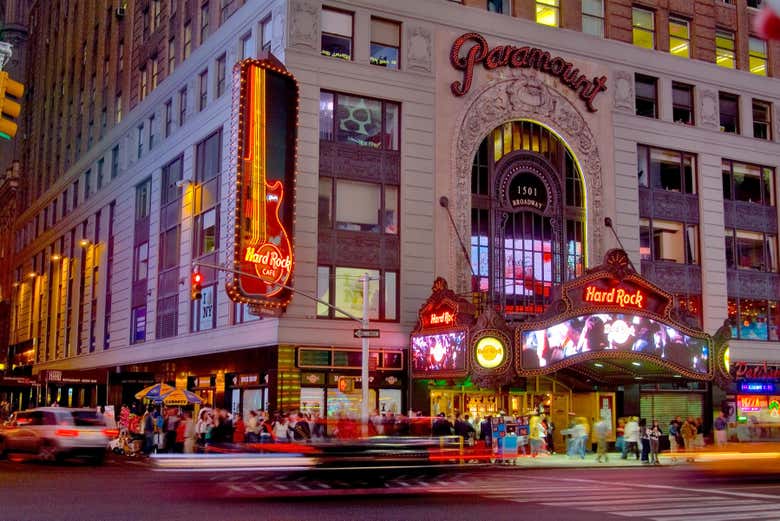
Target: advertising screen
pixel 613 331
pixel 439 352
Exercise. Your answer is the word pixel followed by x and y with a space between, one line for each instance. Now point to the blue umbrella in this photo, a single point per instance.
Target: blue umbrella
pixel 181 397
pixel 154 392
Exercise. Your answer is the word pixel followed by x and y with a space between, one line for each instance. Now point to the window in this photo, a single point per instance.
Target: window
pixel 336 33
pixel 724 49
pixel 667 170
pixel 682 103
pixel 203 316
pixel 140 141
pixel 363 121
pixel 753 319
pixel 226 10
pixel 143 200
pixel 679 37
pixel 755 3
pixel 75 194
pixel 187 41
pixel 248 46
pixel 118 108
pixel 643 25
pixel 646 96
pixel 207 195
pixel 168 111
pixel 155 72
pixel 498 6
pixel 593 17
pixel 385 43
pixel 151 131
pixel 757 56
pixel 87 184
pixel 115 161
pixel 171 56
pixel 748 250
pixel 762 128
pixel 203 86
pixel 138 325
pixel 358 206
pixel 729 112
pixel 266 32
pixel 141 262
pixel 100 163
pixel 548 12
pixel 344 289
pixel 204 22
pixel 668 241
pixel 220 76
pixel 241 314
pixel 748 183
pixel 120 57
pixel 182 106
pixel 144 84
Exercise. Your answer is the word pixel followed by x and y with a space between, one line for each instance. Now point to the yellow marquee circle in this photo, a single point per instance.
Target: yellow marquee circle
pixel 490 352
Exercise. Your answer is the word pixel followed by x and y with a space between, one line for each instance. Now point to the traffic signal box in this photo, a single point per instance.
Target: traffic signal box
pixel 346 384
pixel 9 107
pixel 196 292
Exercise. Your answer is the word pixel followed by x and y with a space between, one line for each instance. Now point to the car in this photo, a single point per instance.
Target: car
pixel 56 433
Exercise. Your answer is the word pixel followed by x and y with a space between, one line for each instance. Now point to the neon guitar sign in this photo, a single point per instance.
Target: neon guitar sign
pixel 266 107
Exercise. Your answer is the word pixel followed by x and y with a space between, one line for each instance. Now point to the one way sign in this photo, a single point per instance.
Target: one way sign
pixel 366 333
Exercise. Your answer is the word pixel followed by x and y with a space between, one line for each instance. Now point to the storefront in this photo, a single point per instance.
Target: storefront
pixel 756 401
pixel 74 388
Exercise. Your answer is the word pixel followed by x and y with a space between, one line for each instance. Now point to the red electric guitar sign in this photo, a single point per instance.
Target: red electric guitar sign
pixel 267 108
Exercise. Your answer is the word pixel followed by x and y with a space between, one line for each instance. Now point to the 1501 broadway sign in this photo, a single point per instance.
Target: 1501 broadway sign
pixel 520 58
pixel 265 107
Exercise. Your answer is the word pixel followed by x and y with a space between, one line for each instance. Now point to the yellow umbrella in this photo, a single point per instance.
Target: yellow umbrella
pixel 181 397
pixel 154 392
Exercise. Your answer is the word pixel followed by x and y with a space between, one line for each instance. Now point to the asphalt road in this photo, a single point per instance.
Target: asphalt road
pixel 125 489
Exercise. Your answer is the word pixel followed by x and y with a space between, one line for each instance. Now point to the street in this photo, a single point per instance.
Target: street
pixel 126 489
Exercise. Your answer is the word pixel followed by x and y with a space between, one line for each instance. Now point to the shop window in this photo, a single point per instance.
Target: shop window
pixel 548 12
pixel 138 325
pixel 593 17
pixel 753 319
pixel 668 241
pixel 729 112
pixel 336 33
pixel 751 250
pixel 646 96
pixel 682 103
pixel 762 127
pixel 666 169
pixel 344 289
pixel 757 56
pixel 643 26
pixel 748 183
pixel 363 121
pixel 679 37
pixel 724 49
pixel 385 43
pixel 203 315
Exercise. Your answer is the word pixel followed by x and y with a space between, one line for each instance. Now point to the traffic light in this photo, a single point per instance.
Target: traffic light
pixel 9 108
pixel 346 384
pixel 196 292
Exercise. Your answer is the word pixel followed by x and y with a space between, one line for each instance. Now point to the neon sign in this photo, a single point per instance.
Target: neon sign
pixel 756 371
pixel 265 106
pixel 618 296
pixel 516 58
pixel 445 317
pixel 757 387
pixel 490 352
pixel 752 403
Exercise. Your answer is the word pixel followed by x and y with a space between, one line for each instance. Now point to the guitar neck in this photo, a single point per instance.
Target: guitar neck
pixel 258 164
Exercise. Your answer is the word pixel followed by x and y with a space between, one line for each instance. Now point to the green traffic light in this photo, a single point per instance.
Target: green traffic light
pixel 5 136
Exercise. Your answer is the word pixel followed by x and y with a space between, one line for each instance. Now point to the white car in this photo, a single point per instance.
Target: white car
pixel 55 433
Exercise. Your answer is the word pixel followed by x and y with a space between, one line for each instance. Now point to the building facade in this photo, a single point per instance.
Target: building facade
pixel 419 127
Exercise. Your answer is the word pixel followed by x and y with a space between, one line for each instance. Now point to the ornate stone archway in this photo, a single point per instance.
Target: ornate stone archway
pixel 523 96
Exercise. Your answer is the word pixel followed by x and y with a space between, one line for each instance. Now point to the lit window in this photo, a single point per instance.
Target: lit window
pixel 548 12
pixel 357 120
pixel 762 128
pixel 729 113
pixel 171 56
pixel 593 17
pixel 155 73
pixel 679 37
pixel 385 43
pixel 336 34
pixel 682 103
pixel 757 61
pixel 345 290
pixel 668 241
pixel 643 24
pixel 144 84
pixel 724 49
pixel 754 319
pixel 118 108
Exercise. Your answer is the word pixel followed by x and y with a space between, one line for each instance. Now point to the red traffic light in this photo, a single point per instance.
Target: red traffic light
pixel 197 278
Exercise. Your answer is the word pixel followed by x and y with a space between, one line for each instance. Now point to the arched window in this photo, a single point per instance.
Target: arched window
pixel 527 218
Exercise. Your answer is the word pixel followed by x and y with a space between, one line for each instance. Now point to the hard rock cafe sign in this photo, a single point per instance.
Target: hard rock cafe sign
pixel 519 58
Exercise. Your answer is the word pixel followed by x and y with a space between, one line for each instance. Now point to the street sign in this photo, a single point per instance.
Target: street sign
pixel 366 333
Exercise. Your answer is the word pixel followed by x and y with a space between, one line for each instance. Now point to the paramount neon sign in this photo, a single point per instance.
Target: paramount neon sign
pixel 516 58
pixel 618 296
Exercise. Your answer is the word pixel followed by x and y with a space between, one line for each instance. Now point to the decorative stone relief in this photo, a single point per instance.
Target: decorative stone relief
pixel 708 108
pixel 305 24
pixel 624 91
pixel 522 95
pixel 278 20
pixel 419 42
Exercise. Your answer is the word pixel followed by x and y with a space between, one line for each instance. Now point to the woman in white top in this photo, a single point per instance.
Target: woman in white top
pixel 281 430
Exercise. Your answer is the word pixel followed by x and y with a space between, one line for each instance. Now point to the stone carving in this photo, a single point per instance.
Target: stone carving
pixel 708 108
pixel 624 91
pixel 419 42
pixel 305 24
pixel 519 95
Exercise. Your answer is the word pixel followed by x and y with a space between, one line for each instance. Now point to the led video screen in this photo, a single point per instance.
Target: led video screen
pixel 613 331
pixel 439 352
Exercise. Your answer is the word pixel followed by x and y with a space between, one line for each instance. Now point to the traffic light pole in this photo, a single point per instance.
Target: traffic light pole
pixel 364 412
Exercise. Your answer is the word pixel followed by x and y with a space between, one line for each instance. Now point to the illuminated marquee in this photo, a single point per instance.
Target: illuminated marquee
pixel 617 296
pixel 265 106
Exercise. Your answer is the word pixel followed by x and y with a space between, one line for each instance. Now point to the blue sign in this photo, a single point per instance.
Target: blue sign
pixel 757 387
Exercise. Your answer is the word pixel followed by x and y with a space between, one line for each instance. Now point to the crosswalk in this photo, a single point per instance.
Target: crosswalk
pixel 638 501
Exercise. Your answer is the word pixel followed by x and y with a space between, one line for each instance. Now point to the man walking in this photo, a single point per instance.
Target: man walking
pixel 602 430
pixel 720 430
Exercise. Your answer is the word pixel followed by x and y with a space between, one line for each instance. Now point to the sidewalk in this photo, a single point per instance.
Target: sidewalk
pixel 564 461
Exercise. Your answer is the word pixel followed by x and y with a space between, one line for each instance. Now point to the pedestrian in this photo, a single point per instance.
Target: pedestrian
pixel 300 428
pixel 148 426
pixel 721 424
pixel 699 443
pixel 601 429
pixel 549 427
pixel 631 438
pixel 239 429
pixel 441 426
pixel 655 434
pixel 181 428
pixel 190 434
pixel 464 429
pixel 486 432
pixel 674 436
pixel 252 428
pixel 644 439
pixel 171 423
pixel 688 432
pixel 280 429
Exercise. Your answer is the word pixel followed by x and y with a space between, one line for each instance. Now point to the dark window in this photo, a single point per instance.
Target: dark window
pixel 646 96
pixel 663 169
pixel 682 103
pixel 748 183
pixel 114 161
pixel 336 33
pixel 385 43
pixel 143 199
pixel 762 121
pixel 729 113
pixel 203 89
pixel 220 76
